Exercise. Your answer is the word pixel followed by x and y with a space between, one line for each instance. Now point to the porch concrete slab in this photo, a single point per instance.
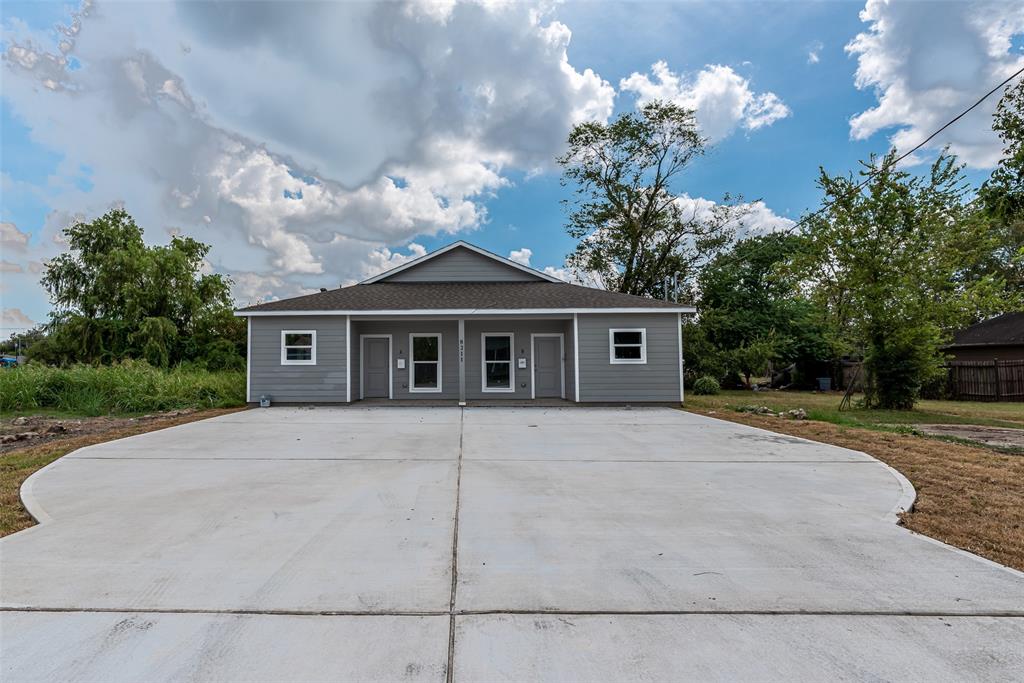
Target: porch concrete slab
pixel 153 647
pixel 737 648
pixel 186 534
pixel 325 440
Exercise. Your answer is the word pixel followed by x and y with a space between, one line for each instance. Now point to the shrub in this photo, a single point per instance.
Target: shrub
pixel 128 387
pixel 705 386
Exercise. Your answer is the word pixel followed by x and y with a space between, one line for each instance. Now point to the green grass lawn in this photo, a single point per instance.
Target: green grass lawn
pixel 825 407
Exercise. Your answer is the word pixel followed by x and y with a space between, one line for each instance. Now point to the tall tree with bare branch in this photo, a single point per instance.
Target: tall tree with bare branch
pixel 634 224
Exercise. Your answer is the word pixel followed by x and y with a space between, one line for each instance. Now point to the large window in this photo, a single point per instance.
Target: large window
pixel 627 345
pixel 498 372
pixel 298 347
pixel 425 355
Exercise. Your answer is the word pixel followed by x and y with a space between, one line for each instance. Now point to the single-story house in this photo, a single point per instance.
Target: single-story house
pixel 998 338
pixel 463 324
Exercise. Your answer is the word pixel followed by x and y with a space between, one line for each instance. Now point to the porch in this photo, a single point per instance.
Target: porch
pixel 498 360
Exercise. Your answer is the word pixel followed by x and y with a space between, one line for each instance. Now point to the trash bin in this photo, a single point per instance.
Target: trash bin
pixel 824 384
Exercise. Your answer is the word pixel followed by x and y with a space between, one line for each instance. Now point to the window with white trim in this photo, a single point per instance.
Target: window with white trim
pixel 627 345
pixel 425 357
pixel 498 373
pixel 298 347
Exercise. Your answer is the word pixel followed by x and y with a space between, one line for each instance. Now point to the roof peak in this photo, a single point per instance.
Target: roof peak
pixel 459 244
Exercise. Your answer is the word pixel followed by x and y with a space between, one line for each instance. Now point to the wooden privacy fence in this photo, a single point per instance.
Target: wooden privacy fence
pixel 987 380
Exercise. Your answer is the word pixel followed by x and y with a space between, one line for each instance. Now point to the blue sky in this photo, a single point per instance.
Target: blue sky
pixel 414 125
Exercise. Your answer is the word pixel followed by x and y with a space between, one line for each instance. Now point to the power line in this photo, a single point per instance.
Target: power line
pixel 871 174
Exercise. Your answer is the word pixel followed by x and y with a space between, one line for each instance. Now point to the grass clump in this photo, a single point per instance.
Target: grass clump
pixel 127 387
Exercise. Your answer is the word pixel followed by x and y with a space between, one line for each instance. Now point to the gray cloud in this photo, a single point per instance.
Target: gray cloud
pixel 297 140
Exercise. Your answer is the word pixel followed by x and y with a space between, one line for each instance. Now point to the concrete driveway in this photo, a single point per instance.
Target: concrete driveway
pixel 488 544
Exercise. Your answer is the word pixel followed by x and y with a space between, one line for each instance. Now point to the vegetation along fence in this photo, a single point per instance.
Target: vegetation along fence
pixel 987 380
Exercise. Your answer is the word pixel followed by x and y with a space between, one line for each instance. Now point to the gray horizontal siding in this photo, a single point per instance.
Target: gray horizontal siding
pixel 323 382
pixel 521 330
pixel 656 380
pixel 400 379
pixel 462 265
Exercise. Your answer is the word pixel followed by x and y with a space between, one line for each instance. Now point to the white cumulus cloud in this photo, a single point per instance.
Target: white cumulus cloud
pixel 722 98
pixel 521 256
pixel 382 259
pixel 12 238
pixel 928 61
pixel 298 139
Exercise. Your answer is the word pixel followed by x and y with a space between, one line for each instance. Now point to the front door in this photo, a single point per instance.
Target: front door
pixel 547 367
pixel 376 367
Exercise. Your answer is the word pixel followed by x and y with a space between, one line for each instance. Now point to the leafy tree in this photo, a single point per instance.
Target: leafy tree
pixel 114 298
pixel 634 229
pixel 20 342
pixel 752 309
pixel 1002 196
pixel 885 262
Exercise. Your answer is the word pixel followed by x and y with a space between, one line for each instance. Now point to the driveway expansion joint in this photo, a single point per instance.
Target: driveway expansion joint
pixel 452 614
pixel 450 667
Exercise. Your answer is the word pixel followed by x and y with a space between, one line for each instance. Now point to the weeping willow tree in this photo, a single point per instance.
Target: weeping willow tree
pixel 114 297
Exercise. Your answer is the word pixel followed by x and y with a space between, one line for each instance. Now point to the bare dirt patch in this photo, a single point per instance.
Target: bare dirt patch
pixel 53 437
pixel 997 437
pixel 32 430
pixel 971 497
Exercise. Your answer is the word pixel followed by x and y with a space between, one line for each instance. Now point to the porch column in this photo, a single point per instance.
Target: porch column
pixel 462 362
pixel 576 355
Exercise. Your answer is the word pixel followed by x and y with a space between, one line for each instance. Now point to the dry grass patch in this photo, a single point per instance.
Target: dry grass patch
pixel 16 464
pixel 970 497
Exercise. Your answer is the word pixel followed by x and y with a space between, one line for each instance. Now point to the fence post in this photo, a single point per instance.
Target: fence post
pixel 995 366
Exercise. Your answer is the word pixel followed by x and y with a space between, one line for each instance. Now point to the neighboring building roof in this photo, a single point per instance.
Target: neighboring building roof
pixel 463 297
pixel 1003 330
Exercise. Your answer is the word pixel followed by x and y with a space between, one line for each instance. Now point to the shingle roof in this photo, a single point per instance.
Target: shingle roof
pixel 411 296
pixel 1003 330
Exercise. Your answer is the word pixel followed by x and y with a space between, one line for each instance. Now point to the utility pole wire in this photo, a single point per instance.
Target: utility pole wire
pixel 871 174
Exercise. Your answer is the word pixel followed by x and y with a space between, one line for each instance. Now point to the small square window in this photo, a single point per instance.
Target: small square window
pixel 627 346
pixel 298 347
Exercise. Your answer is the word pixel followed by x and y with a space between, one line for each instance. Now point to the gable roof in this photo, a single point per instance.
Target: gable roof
pixel 1002 330
pixel 463 298
pixel 458 245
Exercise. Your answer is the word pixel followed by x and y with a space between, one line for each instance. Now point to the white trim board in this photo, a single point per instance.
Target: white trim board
pixel 679 331
pixel 362 363
pixel 348 358
pixel 454 245
pixel 248 361
pixel 470 311
pixel 533 360
pixel 576 354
